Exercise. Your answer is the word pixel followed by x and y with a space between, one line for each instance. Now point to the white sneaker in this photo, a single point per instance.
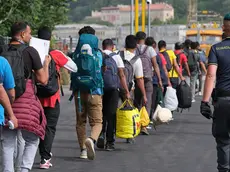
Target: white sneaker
pixel 193 101
pixel 90 148
pixel 83 154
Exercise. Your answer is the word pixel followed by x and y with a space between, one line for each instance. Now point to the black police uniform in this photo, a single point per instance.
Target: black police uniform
pixel 220 56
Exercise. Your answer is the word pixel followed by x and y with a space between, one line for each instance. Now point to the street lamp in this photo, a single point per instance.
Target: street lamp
pixel 131 17
pixel 149 2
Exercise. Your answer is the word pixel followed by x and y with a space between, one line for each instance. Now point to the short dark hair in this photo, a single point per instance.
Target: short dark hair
pixel 18 27
pixel 140 35
pixel 161 44
pixel 224 36
pixel 193 45
pixel 187 43
pixel 86 30
pixel 130 42
pixel 150 41
pixel 178 46
pixel 44 33
pixel 106 43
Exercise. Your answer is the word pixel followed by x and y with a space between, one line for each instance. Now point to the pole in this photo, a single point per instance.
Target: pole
pixel 149 24
pixel 143 14
pixel 136 16
pixel 131 17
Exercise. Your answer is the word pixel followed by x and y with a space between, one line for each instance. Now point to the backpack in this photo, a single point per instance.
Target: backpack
pixel 184 95
pixel 87 58
pixel 146 62
pixel 178 59
pixel 192 61
pixel 167 58
pixel 14 56
pixel 128 70
pixel 110 76
pixel 52 86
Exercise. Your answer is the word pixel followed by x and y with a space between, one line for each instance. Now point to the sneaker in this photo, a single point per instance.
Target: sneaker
pixel 101 142
pixel 130 141
pixel 144 131
pixel 90 148
pixel 193 101
pixel 45 164
pixel 109 147
pixel 83 154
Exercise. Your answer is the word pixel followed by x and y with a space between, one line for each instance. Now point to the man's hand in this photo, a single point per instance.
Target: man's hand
pixel 127 95
pixel 14 120
pixel 205 110
pixel 47 59
pixel 145 100
pixel 182 78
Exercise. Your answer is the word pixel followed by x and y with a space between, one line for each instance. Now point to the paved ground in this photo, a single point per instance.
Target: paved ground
pixel 185 145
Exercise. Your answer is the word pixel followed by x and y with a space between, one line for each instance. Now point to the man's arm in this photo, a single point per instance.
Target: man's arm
pixel 187 68
pixel 123 81
pixel 167 75
pixel 209 82
pixel 177 69
pixel 203 67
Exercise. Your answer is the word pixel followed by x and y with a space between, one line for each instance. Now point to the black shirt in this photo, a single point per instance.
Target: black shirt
pixel 31 59
pixel 220 55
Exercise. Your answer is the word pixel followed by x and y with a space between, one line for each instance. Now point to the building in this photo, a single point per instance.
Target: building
pixel 120 15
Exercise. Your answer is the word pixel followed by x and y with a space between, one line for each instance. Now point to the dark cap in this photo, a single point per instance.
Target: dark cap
pixel 227 17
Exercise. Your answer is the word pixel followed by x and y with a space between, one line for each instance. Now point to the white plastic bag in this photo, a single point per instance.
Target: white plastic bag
pixel 164 115
pixel 170 100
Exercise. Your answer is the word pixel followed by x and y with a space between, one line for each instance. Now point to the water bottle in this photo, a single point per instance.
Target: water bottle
pixel 11 125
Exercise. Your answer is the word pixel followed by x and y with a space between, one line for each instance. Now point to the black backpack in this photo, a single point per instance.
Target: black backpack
pixel 184 95
pixel 15 58
pixel 52 87
pixel 167 58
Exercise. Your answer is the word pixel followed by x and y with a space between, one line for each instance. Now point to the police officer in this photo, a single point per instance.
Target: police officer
pixel 219 69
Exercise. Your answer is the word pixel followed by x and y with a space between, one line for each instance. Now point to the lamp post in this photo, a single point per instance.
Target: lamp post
pixel 149 2
pixel 131 17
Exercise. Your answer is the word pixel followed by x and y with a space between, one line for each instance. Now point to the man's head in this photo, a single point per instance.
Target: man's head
pixel 130 42
pixel 86 30
pixel 20 31
pixel 44 33
pixel 161 44
pixel 193 45
pixel 197 45
pixel 224 36
pixel 187 43
pixel 141 36
pixel 150 42
pixel 107 44
pixel 226 25
pixel 178 46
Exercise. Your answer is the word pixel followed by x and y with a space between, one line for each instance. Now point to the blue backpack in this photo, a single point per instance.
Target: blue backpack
pixel 87 57
pixel 110 76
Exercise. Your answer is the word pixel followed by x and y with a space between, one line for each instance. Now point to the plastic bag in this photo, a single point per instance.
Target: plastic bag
pixel 128 121
pixel 144 117
pixel 170 100
pixel 164 115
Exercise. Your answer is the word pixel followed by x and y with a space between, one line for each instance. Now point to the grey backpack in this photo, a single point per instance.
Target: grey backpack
pixel 146 62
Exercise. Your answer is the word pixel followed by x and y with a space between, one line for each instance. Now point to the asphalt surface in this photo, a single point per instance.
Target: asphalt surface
pixel 185 145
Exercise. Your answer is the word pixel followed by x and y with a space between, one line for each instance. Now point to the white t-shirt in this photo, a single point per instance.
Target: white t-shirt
pixel 117 58
pixel 137 66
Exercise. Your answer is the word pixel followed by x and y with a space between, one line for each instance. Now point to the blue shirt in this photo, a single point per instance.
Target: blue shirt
pixel 7 80
pixel 220 55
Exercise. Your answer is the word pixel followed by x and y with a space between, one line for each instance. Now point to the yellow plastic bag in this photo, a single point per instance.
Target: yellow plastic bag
pixel 128 121
pixel 144 117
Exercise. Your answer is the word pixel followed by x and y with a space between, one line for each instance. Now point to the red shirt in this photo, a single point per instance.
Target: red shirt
pixel 183 58
pixel 60 60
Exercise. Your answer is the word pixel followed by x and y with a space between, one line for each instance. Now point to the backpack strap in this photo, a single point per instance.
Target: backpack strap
pixel 122 54
pixel 134 59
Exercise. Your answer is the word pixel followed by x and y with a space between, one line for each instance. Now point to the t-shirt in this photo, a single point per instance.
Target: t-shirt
pixel 183 58
pixel 31 59
pixel 117 58
pixel 150 51
pixel 7 80
pixel 172 57
pixel 219 55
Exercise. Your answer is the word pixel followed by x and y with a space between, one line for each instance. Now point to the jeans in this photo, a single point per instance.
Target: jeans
pixel 191 81
pixel 8 144
pixel 91 108
pixel 110 104
pixel 18 152
pixel 52 116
